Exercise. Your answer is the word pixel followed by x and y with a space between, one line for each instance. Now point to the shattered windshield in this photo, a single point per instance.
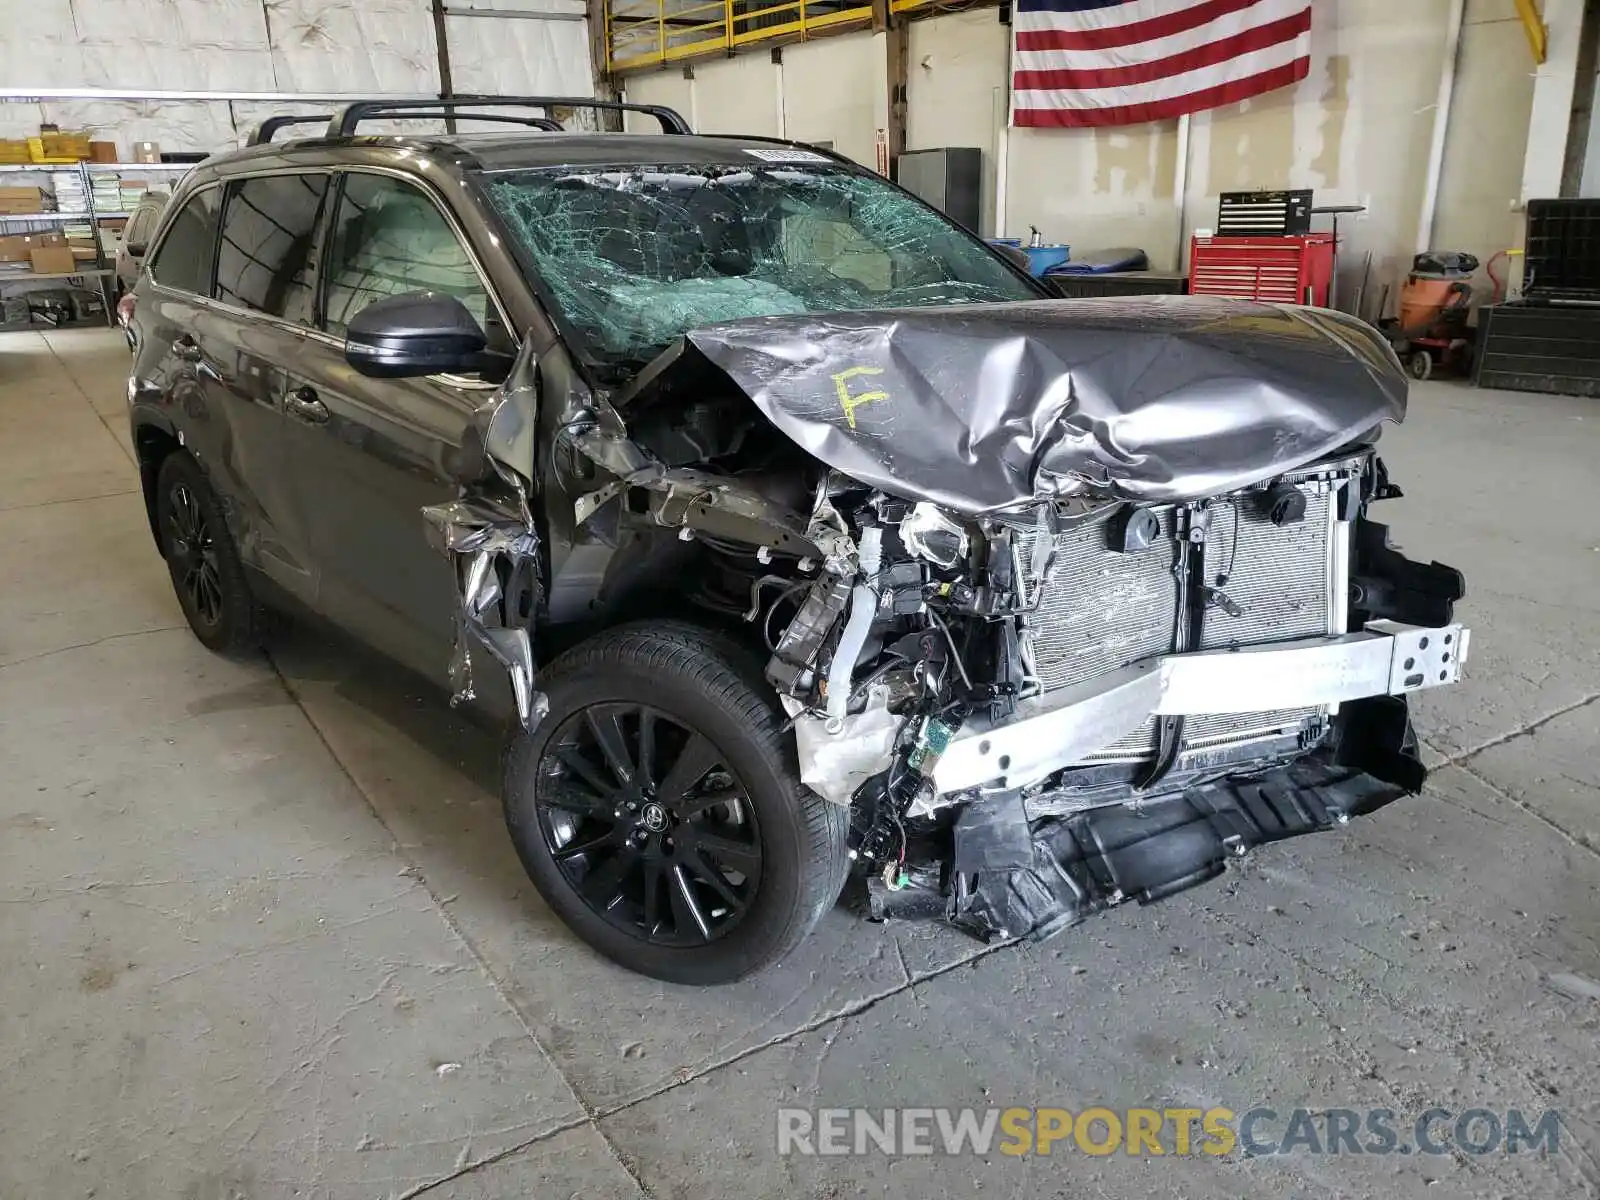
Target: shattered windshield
pixel 634 257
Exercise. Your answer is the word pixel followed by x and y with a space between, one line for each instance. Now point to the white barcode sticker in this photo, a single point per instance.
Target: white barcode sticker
pixel 788 156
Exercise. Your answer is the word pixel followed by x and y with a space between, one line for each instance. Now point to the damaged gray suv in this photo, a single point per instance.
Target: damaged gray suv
pixel 794 532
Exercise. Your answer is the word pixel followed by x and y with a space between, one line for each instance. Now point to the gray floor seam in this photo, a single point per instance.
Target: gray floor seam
pixel 1515 801
pixel 843 1014
pixel 622 1162
pixel 11 508
pixel 110 637
pixel 78 387
pixel 1525 730
pixel 488 1160
pixel 414 869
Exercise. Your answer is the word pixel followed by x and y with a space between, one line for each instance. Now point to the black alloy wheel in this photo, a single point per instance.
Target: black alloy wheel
pixel 659 811
pixel 207 576
pixel 649 825
pixel 192 550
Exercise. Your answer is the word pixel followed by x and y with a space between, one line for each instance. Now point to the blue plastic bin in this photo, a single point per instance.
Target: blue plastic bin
pixel 1040 258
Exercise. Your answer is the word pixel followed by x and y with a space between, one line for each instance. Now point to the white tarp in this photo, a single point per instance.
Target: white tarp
pixel 344 47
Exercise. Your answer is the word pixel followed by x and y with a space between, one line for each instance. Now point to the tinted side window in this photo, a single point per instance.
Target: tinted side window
pixel 187 252
pixel 388 238
pixel 264 258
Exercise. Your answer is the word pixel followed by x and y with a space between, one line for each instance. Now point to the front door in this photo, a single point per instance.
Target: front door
pixel 368 454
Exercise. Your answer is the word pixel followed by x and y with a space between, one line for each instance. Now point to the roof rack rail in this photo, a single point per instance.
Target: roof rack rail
pixel 343 123
pixel 264 132
pixel 548 124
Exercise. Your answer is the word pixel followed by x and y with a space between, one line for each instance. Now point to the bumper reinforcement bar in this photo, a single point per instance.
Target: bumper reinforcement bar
pixel 1060 727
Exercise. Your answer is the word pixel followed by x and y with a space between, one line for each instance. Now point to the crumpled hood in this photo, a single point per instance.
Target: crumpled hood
pixel 982 407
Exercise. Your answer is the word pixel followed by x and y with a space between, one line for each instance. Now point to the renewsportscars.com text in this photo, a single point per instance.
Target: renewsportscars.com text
pixel 1156 1132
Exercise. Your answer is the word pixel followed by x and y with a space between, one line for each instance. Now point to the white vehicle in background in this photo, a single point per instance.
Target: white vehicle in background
pixel 136 239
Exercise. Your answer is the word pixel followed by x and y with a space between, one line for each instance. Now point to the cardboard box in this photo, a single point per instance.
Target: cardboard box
pixel 21 200
pixel 53 151
pixel 53 260
pixel 146 152
pixel 19 247
pixel 57 145
pixel 103 152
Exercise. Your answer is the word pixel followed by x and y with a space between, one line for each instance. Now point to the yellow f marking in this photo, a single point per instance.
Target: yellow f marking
pixel 850 403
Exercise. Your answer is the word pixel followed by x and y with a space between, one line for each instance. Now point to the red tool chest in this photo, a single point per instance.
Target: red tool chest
pixel 1295 269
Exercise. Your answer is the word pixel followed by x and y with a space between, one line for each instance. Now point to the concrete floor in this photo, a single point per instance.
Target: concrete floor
pixel 262 934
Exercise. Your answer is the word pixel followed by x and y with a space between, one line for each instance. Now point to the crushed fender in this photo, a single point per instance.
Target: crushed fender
pixel 494 560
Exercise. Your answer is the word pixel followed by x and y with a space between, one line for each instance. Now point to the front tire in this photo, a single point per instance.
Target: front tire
pixel 207 576
pixel 658 809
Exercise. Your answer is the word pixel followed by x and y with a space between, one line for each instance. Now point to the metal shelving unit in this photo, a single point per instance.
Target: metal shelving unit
pixel 87 273
pixel 100 269
pixel 131 168
pixel 63 218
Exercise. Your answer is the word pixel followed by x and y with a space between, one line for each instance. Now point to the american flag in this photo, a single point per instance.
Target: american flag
pixel 1118 62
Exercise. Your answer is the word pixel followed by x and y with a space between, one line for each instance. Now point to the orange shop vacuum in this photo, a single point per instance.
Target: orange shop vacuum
pixel 1431 328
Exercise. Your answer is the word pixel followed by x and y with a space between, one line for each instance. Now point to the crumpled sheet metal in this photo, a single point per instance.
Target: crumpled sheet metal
pixel 480 542
pixel 983 407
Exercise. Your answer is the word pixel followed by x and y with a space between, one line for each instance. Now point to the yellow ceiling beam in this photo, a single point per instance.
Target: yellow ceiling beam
pixel 1534 27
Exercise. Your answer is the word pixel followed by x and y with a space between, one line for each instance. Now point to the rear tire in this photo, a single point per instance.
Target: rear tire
pixel 658 808
pixel 207 576
pixel 1421 365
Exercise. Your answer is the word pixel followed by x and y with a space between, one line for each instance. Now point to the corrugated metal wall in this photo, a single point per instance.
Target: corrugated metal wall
pixel 345 47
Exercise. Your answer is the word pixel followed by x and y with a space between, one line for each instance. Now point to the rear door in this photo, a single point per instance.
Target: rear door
pixel 261 318
pixel 369 454
pixel 190 354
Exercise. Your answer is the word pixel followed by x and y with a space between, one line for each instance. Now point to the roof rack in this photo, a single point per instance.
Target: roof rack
pixel 264 132
pixel 343 124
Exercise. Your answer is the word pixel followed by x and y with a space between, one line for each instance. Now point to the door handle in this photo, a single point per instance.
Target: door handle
pixel 303 403
pixel 186 349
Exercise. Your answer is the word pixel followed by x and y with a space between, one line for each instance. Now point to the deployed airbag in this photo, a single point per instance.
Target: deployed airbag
pixel 982 407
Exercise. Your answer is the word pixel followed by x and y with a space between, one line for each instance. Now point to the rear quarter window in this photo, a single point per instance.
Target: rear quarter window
pixel 188 253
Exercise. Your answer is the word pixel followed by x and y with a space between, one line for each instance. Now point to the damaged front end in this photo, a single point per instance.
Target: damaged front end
pixel 1036 715
pixel 1068 605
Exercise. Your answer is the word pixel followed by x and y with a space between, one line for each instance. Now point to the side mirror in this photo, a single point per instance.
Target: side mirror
pixel 415 333
pixel 136 249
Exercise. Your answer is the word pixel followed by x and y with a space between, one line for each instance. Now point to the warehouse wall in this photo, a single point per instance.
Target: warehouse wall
pixel 345 47
pixel 956 77
pixel 1357 130
pixel 1479 189
pixel 832 91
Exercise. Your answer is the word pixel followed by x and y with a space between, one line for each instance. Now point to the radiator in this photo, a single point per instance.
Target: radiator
pixel 1104 610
